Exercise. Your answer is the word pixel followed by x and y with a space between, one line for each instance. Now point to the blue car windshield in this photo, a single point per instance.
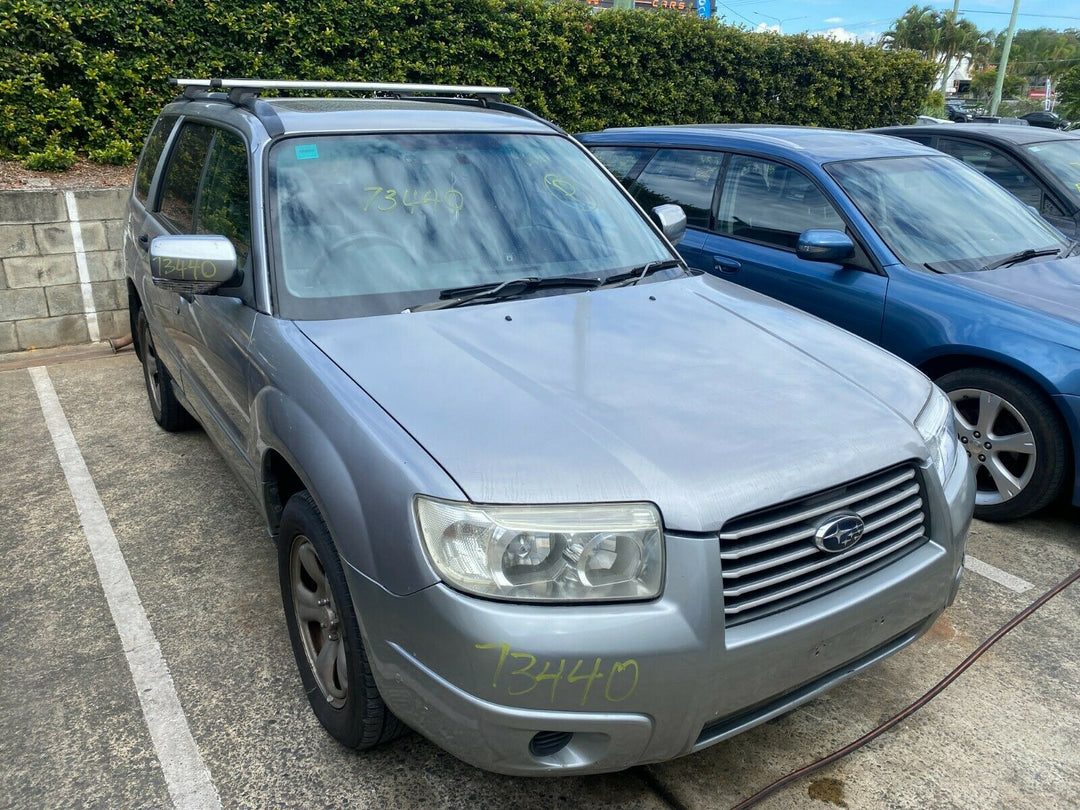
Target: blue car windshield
pixel 374 224
pixel 936 211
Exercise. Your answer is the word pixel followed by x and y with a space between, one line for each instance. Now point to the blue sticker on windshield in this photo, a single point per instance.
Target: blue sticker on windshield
pixel 307 151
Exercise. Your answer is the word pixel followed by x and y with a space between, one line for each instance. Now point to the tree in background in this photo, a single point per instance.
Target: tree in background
pixel 942 37
pixel 1040 52
pixel 1068 88
pixel 982 84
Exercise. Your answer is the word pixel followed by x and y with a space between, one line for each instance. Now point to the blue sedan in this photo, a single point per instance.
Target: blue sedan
pixel 910 249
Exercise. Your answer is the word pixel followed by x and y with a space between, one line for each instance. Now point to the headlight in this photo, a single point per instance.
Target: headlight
pixel 937 427
pixel 572 553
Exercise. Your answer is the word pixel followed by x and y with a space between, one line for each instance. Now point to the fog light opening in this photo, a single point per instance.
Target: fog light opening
pixel 547 743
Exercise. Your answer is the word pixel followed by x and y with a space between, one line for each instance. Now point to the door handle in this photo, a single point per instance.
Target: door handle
pixel 722 264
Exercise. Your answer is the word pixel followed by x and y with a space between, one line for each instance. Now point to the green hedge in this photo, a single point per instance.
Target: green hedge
pixel 91 75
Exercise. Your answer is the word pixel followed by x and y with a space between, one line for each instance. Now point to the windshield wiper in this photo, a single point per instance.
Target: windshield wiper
pixel 481 293
pixel 1022 256
pixel 631 277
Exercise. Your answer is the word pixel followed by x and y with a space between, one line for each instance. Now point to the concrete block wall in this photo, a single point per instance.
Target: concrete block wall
pixel 52 293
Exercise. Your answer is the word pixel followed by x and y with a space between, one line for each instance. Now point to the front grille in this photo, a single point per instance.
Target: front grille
pixel 770 562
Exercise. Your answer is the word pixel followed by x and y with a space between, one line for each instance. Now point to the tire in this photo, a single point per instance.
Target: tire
pixel 996 410
pixel 165 407
pixel 347 703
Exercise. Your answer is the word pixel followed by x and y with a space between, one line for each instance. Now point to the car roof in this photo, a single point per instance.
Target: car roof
pixel 812 144
pixel 296 116
pixel 996 133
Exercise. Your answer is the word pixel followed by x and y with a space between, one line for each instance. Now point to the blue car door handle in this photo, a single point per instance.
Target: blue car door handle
pixel 722 264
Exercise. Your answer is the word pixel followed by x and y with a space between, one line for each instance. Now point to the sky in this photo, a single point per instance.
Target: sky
pixel 867 19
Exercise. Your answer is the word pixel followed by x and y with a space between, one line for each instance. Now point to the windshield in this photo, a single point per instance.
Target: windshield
pixel 936 211
pixel 1060 159
pixel 373 224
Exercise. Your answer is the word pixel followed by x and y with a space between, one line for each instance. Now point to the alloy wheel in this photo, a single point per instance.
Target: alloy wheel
pixel 319 622
pixel 999 443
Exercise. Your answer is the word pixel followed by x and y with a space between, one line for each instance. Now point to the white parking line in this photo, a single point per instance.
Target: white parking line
pixel 186 776
pixel 996 575
pixel 82 268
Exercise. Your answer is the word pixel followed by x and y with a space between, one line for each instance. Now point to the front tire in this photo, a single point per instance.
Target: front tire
pixel 325 633
pixel 1013 438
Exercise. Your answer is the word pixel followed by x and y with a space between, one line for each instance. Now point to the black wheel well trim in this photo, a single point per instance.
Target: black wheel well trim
pixel 942 364
pixel 281 479
pixel 134 305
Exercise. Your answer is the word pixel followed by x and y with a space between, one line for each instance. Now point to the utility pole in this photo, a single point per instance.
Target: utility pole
pixel 945 72
pixel 1004 63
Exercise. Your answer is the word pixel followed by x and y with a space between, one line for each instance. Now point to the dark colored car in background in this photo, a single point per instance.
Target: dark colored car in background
pixel 1042 168
pixel 1045 119
pixel 906 247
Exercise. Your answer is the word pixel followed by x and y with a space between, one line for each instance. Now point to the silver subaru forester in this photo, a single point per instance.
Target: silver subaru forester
pixel 538 490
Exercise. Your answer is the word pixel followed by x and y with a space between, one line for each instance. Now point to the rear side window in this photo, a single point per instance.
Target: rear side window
pixel 183 175
pixel 224 206
pixel 772 203
pixel 151 154
pixel 623 161
pixel 685 177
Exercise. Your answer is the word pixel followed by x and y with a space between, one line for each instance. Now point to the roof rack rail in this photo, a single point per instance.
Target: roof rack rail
pixel 390 88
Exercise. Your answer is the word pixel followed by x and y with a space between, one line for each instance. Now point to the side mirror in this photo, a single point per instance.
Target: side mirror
pixel 192 265
pixel 671 219
pixel 817 245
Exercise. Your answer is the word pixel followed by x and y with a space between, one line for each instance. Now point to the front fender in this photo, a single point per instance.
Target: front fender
pixel 359 465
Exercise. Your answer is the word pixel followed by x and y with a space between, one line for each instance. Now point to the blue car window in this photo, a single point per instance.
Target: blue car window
pixel 769 202
pixel 916 204
pixel 621 161
pixel 685 177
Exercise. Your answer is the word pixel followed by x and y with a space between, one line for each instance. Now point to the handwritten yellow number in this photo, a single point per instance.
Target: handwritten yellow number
pixel 415 199
pixel 525 672
pixel 573 677
pixel 504 650
pixel 389 196
pixel 554 677
pixel 375 192
pixel 454 200
pixel 616 668
pixel 430 198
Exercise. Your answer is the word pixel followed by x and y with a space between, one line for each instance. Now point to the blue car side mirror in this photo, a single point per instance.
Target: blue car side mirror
pixel 818 245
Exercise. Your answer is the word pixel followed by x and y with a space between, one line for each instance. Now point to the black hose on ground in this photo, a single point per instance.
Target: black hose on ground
pixel 918 704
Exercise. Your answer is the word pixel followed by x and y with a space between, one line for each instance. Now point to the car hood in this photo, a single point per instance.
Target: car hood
pixel 702 397
pixel 1051 288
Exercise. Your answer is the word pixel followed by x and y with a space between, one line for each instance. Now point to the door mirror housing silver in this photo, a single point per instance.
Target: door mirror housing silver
pixel 671 219
pixel 820 245
pixel 192 265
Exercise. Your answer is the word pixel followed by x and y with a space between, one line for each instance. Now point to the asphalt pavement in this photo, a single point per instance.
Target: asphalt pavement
pixel 86 718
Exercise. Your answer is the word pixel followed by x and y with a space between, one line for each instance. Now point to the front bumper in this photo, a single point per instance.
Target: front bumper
pixel 641 682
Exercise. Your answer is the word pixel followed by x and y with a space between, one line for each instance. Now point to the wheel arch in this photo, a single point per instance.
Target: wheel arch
pixel 134 305
pixel 938 365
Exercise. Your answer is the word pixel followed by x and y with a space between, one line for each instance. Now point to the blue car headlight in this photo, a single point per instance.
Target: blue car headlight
pixel 937 426
pixel 557 553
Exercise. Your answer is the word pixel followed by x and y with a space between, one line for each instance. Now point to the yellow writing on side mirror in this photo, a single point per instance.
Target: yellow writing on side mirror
pixel 177 269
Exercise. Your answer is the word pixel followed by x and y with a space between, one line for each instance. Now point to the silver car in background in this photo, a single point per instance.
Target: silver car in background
pixel 538 490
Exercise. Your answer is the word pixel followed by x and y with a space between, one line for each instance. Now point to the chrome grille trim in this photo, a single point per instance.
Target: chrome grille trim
pixel 770 561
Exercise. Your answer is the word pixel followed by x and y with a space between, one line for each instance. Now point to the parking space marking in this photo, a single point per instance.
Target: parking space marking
pixel 1011 582
pixel 80 265
pixel 186 775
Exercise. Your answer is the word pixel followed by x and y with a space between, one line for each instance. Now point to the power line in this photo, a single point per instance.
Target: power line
pixel 1020 14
